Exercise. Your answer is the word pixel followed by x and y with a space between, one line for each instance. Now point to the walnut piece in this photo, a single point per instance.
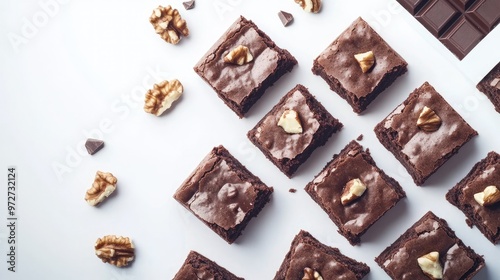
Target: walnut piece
pixel 104 185
pixel 353 190
pixel 161 97
pixel 430 265
pixel 428 120
pixel 239 55
pixel 488 197
pixel 312 6
pixel 365 60
pixel 116 250
pixel 290 122
pixel 495 83
pixel 311 274
pixel 169 24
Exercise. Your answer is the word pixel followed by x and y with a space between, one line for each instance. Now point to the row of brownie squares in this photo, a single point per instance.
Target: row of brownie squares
pixel 428 249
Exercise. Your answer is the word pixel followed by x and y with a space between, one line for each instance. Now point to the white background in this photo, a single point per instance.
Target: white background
pixel 78 69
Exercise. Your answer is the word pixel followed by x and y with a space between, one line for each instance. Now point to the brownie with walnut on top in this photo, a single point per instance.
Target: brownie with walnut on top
pixel 223 194
pixel 243 64
pixel 429 249
pixel 477 195
pixel 293 129
pixel 310 259
pixel 359 65
pixel 354 192
pixel 424 132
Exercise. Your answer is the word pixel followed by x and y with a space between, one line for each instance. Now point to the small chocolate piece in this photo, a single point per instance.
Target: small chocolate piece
pixel 197 266
pixel 430 234
pixel 292 190
pixel 93 145
pixel 223 194
pixel 188 5
pixel 288 151
pixel 490 85
pixel 483 174
pixel 340 69
pixel 286 18
pixel 360 137
pixel 421 151
pixel 308 257
pixel 382 192
pixel 459 24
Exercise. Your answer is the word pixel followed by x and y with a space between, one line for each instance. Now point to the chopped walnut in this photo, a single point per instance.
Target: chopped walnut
pixel 161 97
pixel 116 250
pixel 495 83
pixel 365 60
pixel 169 24
pixel 311 274
pixel 104 185
pixel 428 120
pixel 312 6
pixel 239 55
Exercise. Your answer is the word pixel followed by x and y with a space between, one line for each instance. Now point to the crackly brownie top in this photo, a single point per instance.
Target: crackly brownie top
pixel 489 176
pixel 338 60
pixel 217 193
pixel 305 255
pixel 428 235
pixel 237 81
pixel 279 143
pixel 425 149
pixel 353 163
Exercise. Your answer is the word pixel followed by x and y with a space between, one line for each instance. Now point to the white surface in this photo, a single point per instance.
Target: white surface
pixel 83 73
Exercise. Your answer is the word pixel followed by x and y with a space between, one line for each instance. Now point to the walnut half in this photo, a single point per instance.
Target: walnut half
pixel 168 23
pixel 116 250
pixel 311 274
pixel 104 185
pixel 312 6
pixel 161 97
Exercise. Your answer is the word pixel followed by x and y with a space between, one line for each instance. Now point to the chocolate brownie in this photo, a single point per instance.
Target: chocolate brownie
pixel 490 85
pixel 223 194
pixel 340 69
pixel 197 266
pixel 380 195
pixel 429 234
pixel 240 86
pixel 424 132
pixel 308 255
pixel 289 150
pixel 486 218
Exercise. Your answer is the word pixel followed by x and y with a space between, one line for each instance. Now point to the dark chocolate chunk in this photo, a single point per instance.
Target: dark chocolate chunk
pixel 459 24
pixel 93 145
pixel 286 18
pixel 490 85
pixel 360 137
pixel 188 5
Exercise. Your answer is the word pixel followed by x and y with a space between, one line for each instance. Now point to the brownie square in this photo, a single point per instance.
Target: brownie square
pixel 289 150
pixel 197 266
pixel 423 150
pixel 307 254
pixel 429 234
pixel 240 86
pixel 354 219
pixel 338 67
pixel 490 85
pixel 223 194
pixel 486 218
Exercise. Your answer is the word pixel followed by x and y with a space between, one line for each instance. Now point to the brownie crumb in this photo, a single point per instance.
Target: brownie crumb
pixel 292 190
pixel 360 137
